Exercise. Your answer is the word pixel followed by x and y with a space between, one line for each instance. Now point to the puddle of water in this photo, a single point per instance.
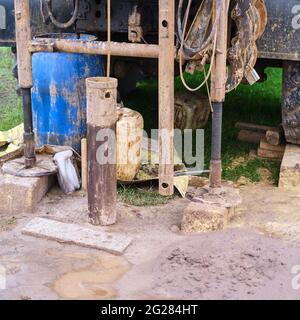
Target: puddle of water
pixel 94 281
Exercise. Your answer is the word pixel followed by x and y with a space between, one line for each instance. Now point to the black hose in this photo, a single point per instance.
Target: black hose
pixel 63 25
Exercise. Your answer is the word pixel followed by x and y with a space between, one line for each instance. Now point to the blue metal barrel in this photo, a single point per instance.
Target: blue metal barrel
pixel 59 95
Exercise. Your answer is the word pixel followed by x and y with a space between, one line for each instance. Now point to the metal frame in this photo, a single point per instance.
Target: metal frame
pixel 165 52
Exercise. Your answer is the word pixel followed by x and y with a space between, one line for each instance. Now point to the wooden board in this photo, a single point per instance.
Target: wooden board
pixel 267 154
pixel 250 136
pixel 78 235
pixel 253 127
pixel 267 146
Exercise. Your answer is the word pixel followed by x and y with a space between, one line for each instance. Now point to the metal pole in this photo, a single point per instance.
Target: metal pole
pixel 216 146
pixel 166 96
pixel 29 149
pixel 218 82
pixel 96 47
pixel 23 39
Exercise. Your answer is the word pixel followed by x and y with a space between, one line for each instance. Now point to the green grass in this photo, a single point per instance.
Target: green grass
pixel 260 104
pixel 10 103
pixel 140 197
pixel 250 170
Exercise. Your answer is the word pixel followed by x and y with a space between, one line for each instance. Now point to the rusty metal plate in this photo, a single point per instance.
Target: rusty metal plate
pixel 281 40
pixel 44 167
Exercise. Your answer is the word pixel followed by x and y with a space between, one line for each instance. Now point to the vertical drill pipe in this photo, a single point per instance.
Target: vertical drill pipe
pixel 218 82
pixel 166 96
pixel 216 131
pixel 23 40
pixel 102 170
pixel 216 146
pixel 29 150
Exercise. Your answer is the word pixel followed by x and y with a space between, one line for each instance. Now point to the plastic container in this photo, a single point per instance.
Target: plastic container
pixel 129 141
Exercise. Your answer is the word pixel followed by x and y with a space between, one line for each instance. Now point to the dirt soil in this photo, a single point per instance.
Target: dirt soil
pixel 252 258
pixel 235 264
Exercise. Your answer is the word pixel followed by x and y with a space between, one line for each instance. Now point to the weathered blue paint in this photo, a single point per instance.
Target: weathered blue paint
pixel 59 96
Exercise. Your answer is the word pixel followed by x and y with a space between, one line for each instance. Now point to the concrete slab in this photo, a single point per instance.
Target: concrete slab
pixel 20 194
pixel 290 169
pixel 78 235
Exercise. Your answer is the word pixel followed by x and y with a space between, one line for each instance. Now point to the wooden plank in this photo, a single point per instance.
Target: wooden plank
pixel 250 136
pixel 253 127
pixel 166 96
pixel 78 235
pixel 266 146
pixel 268 154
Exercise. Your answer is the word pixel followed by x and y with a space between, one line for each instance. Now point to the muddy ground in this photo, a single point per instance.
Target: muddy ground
pixel 255 257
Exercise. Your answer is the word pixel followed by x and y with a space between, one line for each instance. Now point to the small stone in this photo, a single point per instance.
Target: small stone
pixel 174 228
pixel 198 217
pixel 210 210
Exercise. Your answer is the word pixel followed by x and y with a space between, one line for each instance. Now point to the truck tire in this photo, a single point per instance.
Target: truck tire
pixel 291 101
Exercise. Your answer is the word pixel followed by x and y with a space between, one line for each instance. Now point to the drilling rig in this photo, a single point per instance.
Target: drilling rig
pixel 238 39
pixel 277 39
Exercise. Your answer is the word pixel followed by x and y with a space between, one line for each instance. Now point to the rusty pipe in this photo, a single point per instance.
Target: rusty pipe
pixel 95 47
pixel 216 146
pixel 23 39
pixel 102 168
pixel 218 83
pixel 29 143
